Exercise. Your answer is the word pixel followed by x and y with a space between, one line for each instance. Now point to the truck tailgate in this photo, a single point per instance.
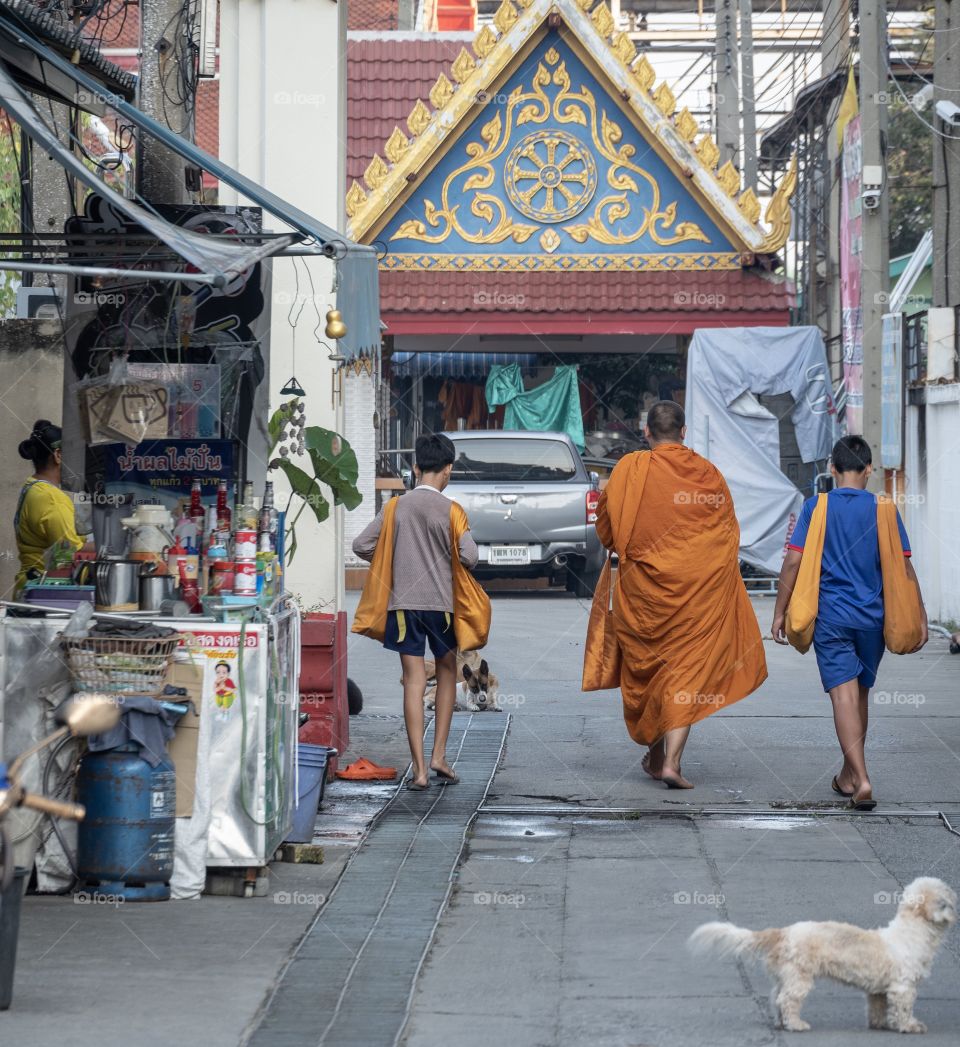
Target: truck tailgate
pixel 523 513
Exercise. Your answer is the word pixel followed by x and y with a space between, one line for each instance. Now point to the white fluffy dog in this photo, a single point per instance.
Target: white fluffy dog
pixel 887 963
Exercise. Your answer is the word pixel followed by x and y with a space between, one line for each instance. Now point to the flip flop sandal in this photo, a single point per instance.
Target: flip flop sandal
pixel 364 770
pixel 671 783
pixel 450 779
pixel 835 785
pixel 863 805
pixel 416 787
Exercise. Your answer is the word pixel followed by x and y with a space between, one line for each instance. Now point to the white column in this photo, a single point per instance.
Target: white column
pixel 360 404
pixel 280 123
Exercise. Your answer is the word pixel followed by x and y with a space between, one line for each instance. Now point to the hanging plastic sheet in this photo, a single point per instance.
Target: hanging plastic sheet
pixel 553 407
pixel 726 370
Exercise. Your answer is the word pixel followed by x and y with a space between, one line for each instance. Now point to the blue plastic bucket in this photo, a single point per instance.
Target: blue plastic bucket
pixel 313 777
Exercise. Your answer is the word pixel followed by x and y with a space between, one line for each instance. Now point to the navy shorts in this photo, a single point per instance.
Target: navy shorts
pixel 409 632
pixel 845 653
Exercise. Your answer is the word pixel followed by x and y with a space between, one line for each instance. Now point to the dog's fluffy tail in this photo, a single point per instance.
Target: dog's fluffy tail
pixel 726 939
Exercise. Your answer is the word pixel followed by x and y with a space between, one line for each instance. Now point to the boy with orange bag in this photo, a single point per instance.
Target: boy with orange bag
pixel 848 636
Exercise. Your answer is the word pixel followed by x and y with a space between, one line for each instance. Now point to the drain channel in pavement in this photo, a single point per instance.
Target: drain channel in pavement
pixel 352 976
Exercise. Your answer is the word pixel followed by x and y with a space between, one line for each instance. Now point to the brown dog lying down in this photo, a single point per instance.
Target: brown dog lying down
pixel 478 691
pixel 887 963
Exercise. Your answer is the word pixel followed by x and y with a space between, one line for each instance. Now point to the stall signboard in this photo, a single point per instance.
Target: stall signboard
pixel 851 270
pixel 163 470
pixel 891 392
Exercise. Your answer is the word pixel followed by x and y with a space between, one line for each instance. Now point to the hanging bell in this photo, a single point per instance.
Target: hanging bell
pixel 335 328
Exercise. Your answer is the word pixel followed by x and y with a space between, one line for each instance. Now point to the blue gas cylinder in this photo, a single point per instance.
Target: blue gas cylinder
pixel 125 842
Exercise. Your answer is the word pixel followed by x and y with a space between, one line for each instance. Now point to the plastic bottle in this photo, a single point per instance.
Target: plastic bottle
pixel 267 525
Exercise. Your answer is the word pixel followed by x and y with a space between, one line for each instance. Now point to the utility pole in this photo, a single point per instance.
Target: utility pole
pixel 748 96
pixel 875 279
pixel 727 81
pixel 834 54
pixel 167 92
pixel 946 161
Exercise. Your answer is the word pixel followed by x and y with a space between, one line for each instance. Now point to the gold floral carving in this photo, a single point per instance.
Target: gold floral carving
pixel 505 17
pixel 624 48
pixel 584 5
pixel 419 119
pixel 643 71
pixel 485 42
pixel 356 198
pixel 441 92
pixel 552 56
pixel 729 178
pixel 664 99
pixel 686 124
pixel 778 211
pixel 549 240
pixel 603 20
pixel 749 205
pixel 463 66
pixel 376 172
pixel 570 106
pixel 397 145
pixel 708 151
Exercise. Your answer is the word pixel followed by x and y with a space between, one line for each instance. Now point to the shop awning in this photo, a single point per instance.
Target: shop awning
pixel 454 365
pixel 216 260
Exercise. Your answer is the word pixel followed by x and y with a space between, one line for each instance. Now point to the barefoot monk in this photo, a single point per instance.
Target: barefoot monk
pixel 682 640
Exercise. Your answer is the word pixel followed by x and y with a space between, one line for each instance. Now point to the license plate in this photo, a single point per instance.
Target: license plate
pixel 509 554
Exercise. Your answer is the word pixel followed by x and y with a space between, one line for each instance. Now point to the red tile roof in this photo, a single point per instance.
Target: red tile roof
pixel 606 302
pixel 385 77
pixel 373 14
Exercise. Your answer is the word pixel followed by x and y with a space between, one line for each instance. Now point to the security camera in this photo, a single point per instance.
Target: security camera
pixel 949 112
pixel 871 197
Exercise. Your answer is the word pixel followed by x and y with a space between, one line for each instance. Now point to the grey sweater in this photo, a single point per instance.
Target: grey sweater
pixel 422 571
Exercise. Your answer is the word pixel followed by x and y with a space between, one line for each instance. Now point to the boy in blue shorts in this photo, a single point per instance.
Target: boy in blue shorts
pixel 848 636
pixel 420 608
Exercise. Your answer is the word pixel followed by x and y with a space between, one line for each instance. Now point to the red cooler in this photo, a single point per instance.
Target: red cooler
pixel 323 683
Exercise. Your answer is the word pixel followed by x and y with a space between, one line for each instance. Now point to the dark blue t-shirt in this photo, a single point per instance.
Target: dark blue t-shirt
pixel 851 585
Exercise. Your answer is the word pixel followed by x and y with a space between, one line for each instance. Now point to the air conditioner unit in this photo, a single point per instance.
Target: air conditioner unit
pixel 205 37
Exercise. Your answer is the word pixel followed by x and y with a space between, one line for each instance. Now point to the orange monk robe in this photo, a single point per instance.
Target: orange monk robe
pixel 689 640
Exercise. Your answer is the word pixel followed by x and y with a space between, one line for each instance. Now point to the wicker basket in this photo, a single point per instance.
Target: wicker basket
pixel 120 666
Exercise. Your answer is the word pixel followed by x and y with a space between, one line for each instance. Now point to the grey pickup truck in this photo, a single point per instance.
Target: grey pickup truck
pixel 532 506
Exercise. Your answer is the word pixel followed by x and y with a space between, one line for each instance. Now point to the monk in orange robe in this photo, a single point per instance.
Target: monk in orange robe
pixel 685 639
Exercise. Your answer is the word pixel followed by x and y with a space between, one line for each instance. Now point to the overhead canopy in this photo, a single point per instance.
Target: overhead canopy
pixel 216 259
pixel 454 365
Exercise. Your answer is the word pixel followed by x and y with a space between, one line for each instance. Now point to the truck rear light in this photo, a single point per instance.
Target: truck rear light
pixel 593 500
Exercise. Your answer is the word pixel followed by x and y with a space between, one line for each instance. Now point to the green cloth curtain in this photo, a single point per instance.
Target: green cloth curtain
pixel 553 407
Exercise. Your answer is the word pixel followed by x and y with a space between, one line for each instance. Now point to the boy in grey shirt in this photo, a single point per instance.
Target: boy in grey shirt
pixel 420 609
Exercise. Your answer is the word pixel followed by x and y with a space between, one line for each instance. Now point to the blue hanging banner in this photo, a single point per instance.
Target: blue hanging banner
pixel 163 470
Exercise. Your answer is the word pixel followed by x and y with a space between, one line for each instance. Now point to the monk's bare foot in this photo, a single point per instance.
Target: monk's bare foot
pixel 652 763
pixel 673 779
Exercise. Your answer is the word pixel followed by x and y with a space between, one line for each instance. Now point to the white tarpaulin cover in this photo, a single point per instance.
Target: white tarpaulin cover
pixel 726 370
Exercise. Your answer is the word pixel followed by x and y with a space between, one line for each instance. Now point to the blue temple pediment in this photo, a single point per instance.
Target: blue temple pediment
pixel 551 149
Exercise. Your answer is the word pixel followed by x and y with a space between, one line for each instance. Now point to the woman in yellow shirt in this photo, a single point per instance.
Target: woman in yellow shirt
pixel 44 523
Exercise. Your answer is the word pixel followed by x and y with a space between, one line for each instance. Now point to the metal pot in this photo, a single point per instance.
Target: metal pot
pixel 154 589
pixel 117 585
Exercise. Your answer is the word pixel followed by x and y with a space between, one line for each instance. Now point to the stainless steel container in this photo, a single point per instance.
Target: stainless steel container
pixel 154 590
pixel 117 585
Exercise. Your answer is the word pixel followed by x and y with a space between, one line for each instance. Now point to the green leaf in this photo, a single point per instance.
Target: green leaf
pixel 335 464
pixel 305 487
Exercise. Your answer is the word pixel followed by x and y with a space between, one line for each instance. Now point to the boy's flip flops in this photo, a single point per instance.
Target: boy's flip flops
pixel 835 785
pixel 447 778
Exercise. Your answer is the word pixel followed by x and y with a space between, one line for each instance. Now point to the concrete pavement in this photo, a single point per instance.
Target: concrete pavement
pixel 582 877
pixel 568 924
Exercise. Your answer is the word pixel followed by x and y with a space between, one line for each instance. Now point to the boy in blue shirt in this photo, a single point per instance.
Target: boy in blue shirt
pixel 848 636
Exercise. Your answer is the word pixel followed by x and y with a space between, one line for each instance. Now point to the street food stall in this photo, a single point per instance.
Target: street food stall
pixel 167 447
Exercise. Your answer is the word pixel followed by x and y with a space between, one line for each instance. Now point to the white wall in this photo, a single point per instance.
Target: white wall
pixel 281 122
pixel 931 507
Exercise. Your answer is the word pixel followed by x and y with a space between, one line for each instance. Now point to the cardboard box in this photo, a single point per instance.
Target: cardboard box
pixel 183 746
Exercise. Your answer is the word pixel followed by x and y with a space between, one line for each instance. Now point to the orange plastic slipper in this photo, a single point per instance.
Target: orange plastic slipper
pixel 364 770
